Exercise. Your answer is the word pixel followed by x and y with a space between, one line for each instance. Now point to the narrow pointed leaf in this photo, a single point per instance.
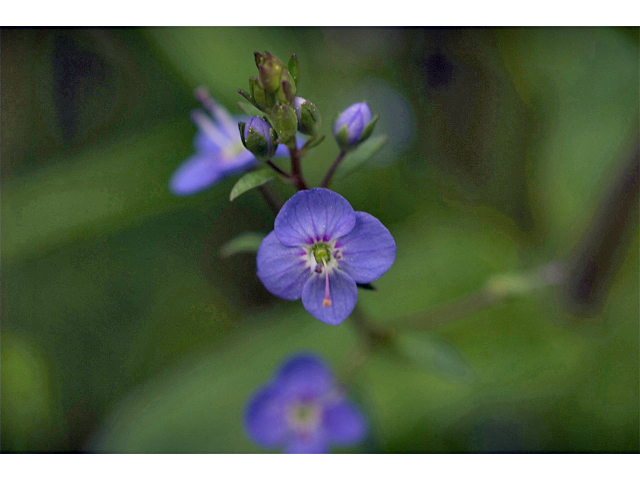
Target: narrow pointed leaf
pixel 292 67
pixel 247 242
pixel 314 142
pixel 356 158
pixel 251 180
pixel 434 354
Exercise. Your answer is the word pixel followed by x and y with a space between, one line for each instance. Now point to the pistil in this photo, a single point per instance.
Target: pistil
pixel 327 298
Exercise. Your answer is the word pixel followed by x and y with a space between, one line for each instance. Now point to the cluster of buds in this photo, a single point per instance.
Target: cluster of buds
pixel 273 92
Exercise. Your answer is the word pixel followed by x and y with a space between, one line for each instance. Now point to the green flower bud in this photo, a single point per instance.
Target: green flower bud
pixel 286 122
pixel 288 87
pixel 258 137
pixel 270 70
pixel 262 99
pixel 308 115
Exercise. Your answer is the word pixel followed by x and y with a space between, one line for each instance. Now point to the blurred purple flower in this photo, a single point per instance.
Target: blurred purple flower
pixel 219 149
pixel 319 249
pixel 302 410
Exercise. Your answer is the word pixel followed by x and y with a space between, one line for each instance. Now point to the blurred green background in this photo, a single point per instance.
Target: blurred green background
pixel 123 329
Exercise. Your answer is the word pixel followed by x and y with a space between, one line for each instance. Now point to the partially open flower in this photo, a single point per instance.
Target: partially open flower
pixel 319 249
pixel 354 125
pixel 303 411
pixel 258 137
pixel 308 116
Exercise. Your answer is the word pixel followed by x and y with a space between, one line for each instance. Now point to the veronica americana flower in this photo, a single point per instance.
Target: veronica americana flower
pixel 301 410
pixel 319 249
pixel 219 149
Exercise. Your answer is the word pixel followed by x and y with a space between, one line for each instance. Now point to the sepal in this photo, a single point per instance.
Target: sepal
pixel 293 68
pixel 286 122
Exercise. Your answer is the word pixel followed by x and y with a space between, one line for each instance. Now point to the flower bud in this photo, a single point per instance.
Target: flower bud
pixel 258 137
pixel 270 70
pixel 288 86
pixel 308 116
pixel 286 122
pixel 261 99
pixel 354 125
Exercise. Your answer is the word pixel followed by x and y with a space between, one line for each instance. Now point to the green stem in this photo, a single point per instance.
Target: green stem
pixel 278 169
pixel 296 169
pixel 372 334
pixel 271 198
pixel 497 289
pixel 449 312
pixel 326 181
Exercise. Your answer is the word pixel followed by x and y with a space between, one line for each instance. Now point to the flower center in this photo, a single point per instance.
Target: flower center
pixel 323 257
pixel 304 416
pixel 321 253
pixel 232 151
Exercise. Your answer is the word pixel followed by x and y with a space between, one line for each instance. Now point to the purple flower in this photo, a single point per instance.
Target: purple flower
pixel 302 410
pixel 319 249
pixel 354 125
pixel 258 137
pixel 219 150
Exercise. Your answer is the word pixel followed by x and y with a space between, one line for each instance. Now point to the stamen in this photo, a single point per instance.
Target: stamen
pixel 327 299
pixel 216 111
pixel 209 128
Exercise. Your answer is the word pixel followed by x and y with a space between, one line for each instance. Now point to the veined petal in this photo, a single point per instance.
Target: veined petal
pixel 281 269
pixel 344 424
pixel 265 418
pixel 344 294
pixel 368 251
pixel 305 376
pixel 314 215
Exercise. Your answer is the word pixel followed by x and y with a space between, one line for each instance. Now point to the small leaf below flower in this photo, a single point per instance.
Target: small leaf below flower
pixel 251 180
pixel 247 242
pixel 361 154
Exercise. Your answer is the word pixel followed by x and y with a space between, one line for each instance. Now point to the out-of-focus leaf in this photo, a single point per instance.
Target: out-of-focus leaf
pixel 364 152
pixel 434 354
pixel 248 242
pixel 99 190
pixel 250 181
pixel 583 82
pixel 28 406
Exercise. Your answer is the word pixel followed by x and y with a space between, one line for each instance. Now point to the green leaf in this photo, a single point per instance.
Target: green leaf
pixel 247 242
pixel 314 142
pixel 293 69
pixel 364 152
pixel 251 180
pixel 249 109
pixel 433 353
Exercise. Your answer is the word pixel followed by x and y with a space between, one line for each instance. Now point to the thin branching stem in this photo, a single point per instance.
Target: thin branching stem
pixel 296 169
pixel 326 181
